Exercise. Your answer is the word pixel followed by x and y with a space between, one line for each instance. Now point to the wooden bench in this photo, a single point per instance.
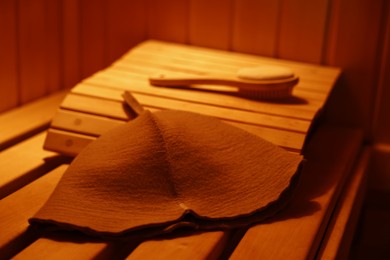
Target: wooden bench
pixel 318 223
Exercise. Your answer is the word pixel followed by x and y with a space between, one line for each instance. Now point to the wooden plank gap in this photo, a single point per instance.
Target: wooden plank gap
pixel 18 207
pixel 339 235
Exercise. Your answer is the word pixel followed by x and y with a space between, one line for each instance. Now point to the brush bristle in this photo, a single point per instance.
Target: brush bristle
pixel 267 95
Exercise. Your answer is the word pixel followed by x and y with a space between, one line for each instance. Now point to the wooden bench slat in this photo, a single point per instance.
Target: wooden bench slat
pixel 168 63
pixel 75 248
pixel 340 232
pixel 317 72
pixel 28 120
pixel 207 245
pixel 124 81
pixel 140 70
pixel 211 242
pixel 25 162
pixel 87 127
pixel 297 231
pixel 18 207
pixel 149 101
pixel 83 123
pixel 101 94
pixel 96 106
pixel 15 237
pixel 66 143
pixel 117 110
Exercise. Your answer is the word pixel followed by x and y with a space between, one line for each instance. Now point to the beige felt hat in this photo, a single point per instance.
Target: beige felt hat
pixel 170 169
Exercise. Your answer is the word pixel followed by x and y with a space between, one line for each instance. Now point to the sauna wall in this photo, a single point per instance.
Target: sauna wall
pixel 47 45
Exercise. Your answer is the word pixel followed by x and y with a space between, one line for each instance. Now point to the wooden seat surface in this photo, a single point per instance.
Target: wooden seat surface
pixel 96 105
pixel 29 174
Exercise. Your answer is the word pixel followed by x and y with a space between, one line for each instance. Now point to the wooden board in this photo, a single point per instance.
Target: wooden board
pixel 168 20
pixel 36 162
pixel 95 106
pixel 303 30
pixel 126 25
pixel 9 88
pixel 297 231
pixel 54 51
pixel 71 38
pixel 32 50
pixel 260 20
pixel 296 227
pixel 341 230
pixel 18 207
pixel 28 120
pixel 208 29
pixel 100 96
pixel 93 43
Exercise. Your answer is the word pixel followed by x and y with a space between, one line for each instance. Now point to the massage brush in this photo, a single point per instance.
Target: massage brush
pixel 268 82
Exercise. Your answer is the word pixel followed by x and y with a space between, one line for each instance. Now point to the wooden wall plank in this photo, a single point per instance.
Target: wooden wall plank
pixel 353 44
pixel 381 117
pixel 168 20
pixel 32 48
pixel 210 23
pixel 255 26
pixel 53 36
pixel 302 30
pixel 126 26
pixel 8 55
pixel 93 36
pixel 71 49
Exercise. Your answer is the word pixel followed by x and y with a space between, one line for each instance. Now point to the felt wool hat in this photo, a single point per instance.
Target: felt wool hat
pixel 170 169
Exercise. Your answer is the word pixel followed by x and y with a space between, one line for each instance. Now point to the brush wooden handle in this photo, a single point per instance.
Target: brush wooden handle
pixel 172 80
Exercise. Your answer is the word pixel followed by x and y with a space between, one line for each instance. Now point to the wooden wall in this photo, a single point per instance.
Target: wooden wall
pixel 382 104
pixel 46 45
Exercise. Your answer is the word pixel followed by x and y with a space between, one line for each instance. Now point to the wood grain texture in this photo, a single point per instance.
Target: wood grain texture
pixel 207 245
pixel 54 48
pixel 25 121
pixel 126 26
pixel 381 122
pixel 15 211
pixel 83 123
pixel 341 231
pixel 224 60
pixel 379 169
pixel 168 20
pixel 302 30
pixel 66 143
pixel 256 26
pixel 290 140
pixel 98 98
pixel 18 174
pixel 72 247
pixel 210 23
pixel 9 77
pixel 93 39
pixel 353 43
pixel 298 230
pixel 71 42
pixel 121 80
pixel 32 49
pixel 115 110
